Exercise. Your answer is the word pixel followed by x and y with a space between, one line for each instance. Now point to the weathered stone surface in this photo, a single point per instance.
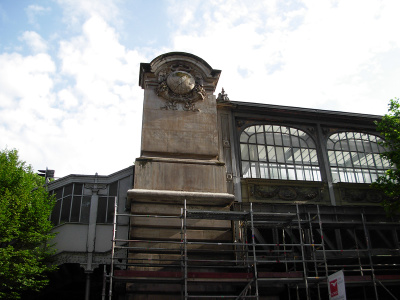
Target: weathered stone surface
pixel 180 176
pixel 179 132
pixel 173 234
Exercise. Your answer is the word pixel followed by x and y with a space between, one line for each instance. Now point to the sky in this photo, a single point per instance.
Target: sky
pixel 69 94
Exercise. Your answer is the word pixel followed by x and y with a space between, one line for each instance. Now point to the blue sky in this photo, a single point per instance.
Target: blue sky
pixel 69 95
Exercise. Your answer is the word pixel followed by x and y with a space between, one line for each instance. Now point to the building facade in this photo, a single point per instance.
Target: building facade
pixel 232 199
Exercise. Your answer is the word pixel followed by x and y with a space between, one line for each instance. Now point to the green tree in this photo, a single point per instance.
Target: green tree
pixel 389 127
pixel 25 235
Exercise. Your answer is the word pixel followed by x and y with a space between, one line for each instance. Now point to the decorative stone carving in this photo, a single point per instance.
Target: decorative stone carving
pixel 361 195
pixel 181 87
pixel 287 193
pixel 240 123
pixel 95 187
pixel 222 97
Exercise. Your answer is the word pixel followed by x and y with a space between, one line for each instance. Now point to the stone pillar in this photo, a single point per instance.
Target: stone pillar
pixel 179 147
pixel 179 159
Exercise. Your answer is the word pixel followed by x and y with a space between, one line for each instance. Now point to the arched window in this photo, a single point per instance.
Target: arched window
pixel 278 152
pixel 354 157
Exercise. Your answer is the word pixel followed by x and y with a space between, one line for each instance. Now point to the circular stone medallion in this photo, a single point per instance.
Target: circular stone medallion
pixel 180 82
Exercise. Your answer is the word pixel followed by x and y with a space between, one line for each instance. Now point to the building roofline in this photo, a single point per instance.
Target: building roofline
pixel 294 109
pixel 84 177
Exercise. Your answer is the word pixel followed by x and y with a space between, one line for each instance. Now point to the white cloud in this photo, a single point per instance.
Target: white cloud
pixel 103 100
pixel 33 11
pixel 76 11
pixel 25 77
pixel 92 123
pixel 302 53
pixel 34 41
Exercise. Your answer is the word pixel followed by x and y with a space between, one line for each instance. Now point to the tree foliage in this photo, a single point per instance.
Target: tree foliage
pixel 389 127
pixel 25 235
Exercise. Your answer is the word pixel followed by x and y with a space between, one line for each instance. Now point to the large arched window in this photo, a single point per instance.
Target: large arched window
pixel 278 152
pixel 354 157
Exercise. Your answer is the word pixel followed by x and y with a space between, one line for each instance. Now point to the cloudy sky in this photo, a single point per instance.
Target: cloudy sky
pixel 69 94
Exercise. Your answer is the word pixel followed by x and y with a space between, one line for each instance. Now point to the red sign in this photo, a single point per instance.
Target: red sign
pixel 334 288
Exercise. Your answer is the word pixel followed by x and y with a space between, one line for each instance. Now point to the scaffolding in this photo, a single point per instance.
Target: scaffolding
pixel 286 251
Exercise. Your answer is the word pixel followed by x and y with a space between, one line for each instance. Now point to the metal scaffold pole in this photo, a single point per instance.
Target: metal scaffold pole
pixel 322 242
pixel 185 249
pixel 302 252
pixel 113 249
pixel 254 249
pixel 368 242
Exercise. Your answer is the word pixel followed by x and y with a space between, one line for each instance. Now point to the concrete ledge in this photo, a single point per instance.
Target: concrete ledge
pixel 178 197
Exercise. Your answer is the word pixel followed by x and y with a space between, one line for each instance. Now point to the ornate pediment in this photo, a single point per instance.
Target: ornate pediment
pixel 181 86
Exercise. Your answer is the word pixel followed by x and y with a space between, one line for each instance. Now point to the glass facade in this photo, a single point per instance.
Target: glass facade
pixel 73 206
pixel 355 157
pixel 278 152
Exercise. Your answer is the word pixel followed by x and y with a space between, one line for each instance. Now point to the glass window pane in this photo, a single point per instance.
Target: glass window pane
pixel 308 173
pixel 260 138
pixel 282 172
pixel 85 209
pixel 250 130
pixel 246 169
pixel 329 145
pixel 113 189
pixel 347 159
pixel 291 173
pixel 313 157
pixel 262 154
pixel 316 173
pixel 295 141
pixel 269 138
pixel 76 208
pixel 300 173
pixel 78 188
pixel 274 171
pixel 59 193
pixel 244 151
pixel 294 132
pixel 264 171
pixel 288 155
pixel 285 130
pixel 271 154
pixel 332 158
pixel 65 209
pixel 101 210
pixel 355 159
pixel 276 128
pixel 252 139
pixel 253 152
pixel 244 137
pixel 374 148
pixel 335 175
pixel 280 155
pixel 297 155
pixel 359 176
pixel 306 156
pixel 67 190
pixel 352 145
pixel 55 215
pixel 254 170
pixel 286 140
pixel 339 159
pixel 110 210
pixel 378 161
pixel 278 139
